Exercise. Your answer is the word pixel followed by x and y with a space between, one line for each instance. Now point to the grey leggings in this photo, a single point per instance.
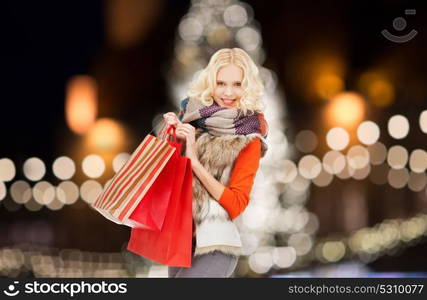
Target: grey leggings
pixel 214 265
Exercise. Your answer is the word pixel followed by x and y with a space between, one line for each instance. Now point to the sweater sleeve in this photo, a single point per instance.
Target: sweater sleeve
pixel 235 196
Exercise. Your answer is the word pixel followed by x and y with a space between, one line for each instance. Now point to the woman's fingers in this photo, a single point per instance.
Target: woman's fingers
pixel 182 133
pixel 185 131
pixel 186 127
pixel 171 119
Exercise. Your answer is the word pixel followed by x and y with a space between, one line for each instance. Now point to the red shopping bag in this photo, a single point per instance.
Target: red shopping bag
pixel 151 211
pixel 131 183
pixel 172 245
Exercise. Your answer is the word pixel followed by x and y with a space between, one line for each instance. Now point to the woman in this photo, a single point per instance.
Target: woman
pixel 224 129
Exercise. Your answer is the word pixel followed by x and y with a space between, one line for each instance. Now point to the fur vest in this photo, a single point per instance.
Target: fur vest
pixel 214 229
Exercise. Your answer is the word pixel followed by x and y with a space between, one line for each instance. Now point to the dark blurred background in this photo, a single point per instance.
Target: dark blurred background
pixel 125 49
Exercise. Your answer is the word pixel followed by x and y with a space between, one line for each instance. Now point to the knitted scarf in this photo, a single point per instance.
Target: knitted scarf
pixel 220 121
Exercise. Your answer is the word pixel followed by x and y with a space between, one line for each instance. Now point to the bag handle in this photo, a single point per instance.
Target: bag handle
pixel 169 135
pixel 166 132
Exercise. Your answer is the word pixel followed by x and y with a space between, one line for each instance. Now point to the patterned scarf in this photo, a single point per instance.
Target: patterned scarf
pixel 220 121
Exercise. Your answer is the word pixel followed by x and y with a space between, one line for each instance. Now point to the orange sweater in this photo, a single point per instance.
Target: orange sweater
pixel 235 197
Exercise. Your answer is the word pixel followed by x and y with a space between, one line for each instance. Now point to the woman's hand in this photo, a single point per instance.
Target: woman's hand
pixel 171 119
pixel 188 132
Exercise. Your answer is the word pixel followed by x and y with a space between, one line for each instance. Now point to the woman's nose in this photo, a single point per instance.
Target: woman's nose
pixel 228 91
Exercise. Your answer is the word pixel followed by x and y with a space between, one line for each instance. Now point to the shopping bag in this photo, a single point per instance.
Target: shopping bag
pixel 132 182
pixel 172 245
pixel 151 210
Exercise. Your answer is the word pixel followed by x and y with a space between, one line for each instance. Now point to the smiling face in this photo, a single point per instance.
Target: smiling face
pixel 228 89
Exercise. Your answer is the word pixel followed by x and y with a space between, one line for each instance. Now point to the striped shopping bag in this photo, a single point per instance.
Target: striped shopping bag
pixel 132 182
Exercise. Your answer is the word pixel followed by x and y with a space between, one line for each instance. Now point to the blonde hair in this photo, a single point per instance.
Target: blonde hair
pixel 204 85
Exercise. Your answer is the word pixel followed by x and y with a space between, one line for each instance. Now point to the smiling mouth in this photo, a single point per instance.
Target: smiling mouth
pixel 228 101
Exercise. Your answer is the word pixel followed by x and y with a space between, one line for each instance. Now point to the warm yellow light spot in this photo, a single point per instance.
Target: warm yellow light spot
pixel 378 88
pixel 106 135
pixel 219 34
pixel 333 251
pixel 81 103
pixel 128 21
pixel 323 69
pixel 346 110
pixel 327 85
pixel 381 93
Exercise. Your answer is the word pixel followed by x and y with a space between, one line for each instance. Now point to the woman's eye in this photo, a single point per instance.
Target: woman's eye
pixel 220 83
pixel 238 84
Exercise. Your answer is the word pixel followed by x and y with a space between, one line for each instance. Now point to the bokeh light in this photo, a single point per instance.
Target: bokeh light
pixel 261 261
pixel 398 178
pixel 368 132
pixel 323 179
pixel 306 141
pixel 185 54
pixel 64 167
pixel 362 173
pixel 3 190
pixel 55 204
pixel 333 251
pixel 299 184
pixel 20 191
pixel 81 103
pixel 398 126
pixel 119 161
pixel 288 171
pixel 334 162
pixel 357 157
pixel 44 192
pixel 248 38
pixel 377 153
pixel 418 161
pixel 417 181
pixel 284 257
pixel 346 110
pixel 90 190
pixel 346 172
pixel 378 88
pixel 11 205
pixel 7 170
pixel 397 157
pixel 235 16
pixel 34 169
pixel 128 22
pixel 327 85
pixel 423 121
pixel 254 217
pixel 312 224
pixel 106 135
pixel 337 138
pixel 33 205
pixel 324 71
pixel 190 29
pixel 218 35
pixel 309 166
pixel 67 192
pixel 93 166
pixel 302 243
